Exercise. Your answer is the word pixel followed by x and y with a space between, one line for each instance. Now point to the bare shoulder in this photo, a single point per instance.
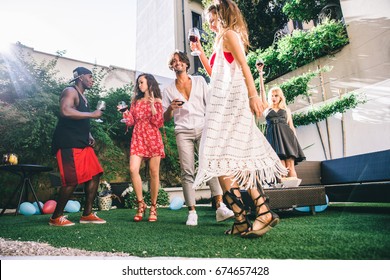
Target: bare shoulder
pixel 158 100
pixel 69 96
pixel 69 92
pixel 231 35
pixel 231 41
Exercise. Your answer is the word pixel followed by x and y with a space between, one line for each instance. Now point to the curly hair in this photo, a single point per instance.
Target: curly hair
pixel 152 87
pixel 182 57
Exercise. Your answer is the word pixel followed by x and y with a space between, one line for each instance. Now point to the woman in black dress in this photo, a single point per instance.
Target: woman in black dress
pixel 280 131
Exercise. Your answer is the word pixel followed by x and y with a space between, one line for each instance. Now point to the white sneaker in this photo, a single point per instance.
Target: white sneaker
pixel 192 219
pixel 223 213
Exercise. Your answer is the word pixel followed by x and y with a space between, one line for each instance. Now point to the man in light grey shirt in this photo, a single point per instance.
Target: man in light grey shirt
pixel 185 101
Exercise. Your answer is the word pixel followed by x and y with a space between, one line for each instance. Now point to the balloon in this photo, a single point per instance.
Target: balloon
pixel 27 209
pixel 49 206
pixel 68 206
pixel 303 209
pixel 320 208
pixel 176 203
pixel 72 206
pixel 77 203
pixel 317 208
pixel 37 211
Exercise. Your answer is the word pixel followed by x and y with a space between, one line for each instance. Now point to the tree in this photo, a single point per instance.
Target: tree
pixel 304 10
pixel 263 18
pixel 29 107
pixel 28 98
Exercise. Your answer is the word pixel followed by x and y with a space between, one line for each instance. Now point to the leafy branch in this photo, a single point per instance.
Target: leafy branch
pixel 302 47
pixel 300 85
pixel 314 115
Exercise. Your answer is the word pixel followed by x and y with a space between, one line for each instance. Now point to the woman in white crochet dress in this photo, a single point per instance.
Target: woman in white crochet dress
pixel 232 147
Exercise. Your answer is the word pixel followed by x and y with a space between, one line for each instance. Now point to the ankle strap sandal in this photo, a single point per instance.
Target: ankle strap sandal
pixel 153 213
pixel 266 226
pixel 241 223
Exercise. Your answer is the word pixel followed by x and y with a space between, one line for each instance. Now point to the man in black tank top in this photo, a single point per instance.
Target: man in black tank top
pixel 72 144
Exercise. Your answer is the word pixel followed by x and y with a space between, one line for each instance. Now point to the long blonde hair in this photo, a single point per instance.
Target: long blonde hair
pixel 282 104
pixel 231 18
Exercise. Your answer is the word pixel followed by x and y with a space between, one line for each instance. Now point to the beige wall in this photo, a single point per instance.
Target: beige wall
pixel 116 77
pixel 160 31
pixel 363 66
pixel 155 33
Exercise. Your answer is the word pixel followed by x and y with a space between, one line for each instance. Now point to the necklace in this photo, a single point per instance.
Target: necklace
pixel 82 95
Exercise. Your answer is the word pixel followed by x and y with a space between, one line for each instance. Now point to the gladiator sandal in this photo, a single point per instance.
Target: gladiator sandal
pixel 241 223
pixel 153 213
pixel 261 200
pixel 141 211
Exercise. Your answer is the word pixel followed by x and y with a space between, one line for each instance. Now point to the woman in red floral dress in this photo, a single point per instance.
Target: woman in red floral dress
pixel 146 115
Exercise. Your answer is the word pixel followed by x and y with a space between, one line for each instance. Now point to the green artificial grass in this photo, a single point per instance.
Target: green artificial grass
pixel 342 232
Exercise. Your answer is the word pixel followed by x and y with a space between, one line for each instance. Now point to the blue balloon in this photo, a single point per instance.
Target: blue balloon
pixel 27 209
pixel 317 208
pixel 77 203
pixel 37 211
pixel 176 203
pixel 72 207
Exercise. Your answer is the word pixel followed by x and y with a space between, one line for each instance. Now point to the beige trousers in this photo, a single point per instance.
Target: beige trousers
pixel 188 147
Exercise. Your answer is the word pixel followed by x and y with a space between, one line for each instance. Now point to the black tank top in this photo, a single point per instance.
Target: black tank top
pixel 71 133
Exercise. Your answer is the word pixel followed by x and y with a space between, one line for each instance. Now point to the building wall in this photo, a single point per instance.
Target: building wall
pixel 116 77
pixel 160 31
pixel 156 36
pixel 362 66
pixel 189 7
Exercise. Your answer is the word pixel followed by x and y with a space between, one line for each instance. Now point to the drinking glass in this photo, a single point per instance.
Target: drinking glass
pixel 101 105
pixel 122 106
pixel 194 36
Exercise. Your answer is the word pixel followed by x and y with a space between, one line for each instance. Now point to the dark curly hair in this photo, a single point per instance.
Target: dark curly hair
pixel 152 86
pixel 183 58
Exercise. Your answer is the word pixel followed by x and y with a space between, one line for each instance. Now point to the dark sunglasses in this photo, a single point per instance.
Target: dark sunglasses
pixel 259 64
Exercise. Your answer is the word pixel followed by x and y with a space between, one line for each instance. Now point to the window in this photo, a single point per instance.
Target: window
pixel 197 65
pixel 196 20
pixel 297 24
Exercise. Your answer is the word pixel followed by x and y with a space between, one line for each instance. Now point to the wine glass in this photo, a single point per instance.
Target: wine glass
pixel 194 36
pixel 122 106
pixel 101 105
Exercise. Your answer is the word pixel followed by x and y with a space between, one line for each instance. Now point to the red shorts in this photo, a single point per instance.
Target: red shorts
pixel 77 166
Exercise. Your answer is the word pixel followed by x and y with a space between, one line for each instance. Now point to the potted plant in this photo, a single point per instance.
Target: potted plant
pixel 105 196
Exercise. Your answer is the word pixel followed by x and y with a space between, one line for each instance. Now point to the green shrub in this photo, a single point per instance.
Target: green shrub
pixel 301 48
pixel 130 200
pixel 303 10
pixel 299 85
pixel 347 101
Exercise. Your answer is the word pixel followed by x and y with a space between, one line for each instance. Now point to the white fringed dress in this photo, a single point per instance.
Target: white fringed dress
pixel 232 145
